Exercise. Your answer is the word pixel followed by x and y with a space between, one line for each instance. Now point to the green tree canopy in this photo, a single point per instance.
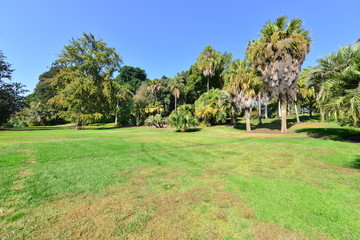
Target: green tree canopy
pixel 88 92
pixel 132 77
pixel 11 99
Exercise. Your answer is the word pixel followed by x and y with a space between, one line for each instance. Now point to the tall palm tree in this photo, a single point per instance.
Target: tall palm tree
pixel 243 85
pixel 278 55
pixel 154 88
pixel 211 61
pixel 176 85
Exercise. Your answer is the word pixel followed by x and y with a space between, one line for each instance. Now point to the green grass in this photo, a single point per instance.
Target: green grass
pixel 146 183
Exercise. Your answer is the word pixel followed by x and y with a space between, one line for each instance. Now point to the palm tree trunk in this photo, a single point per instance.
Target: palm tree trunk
pixel 266 107
pixel 297 114
pixel 322 114
pixel 283 116
pixel 208 83
pixel 310 110
pixel 279 108
pixel 247 116
pixel 175 103
pixel 116 112
pixel 259 108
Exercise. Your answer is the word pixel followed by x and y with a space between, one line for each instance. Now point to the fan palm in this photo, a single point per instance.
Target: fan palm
pixel 154 88
pixel 176 85
pixel 243 85
pixel 337 81
pixel 211 61
pixel 278 55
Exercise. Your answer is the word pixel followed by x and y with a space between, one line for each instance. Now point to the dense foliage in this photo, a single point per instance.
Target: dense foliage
pixel 80 87
pixel 183 118
pixel 11 99
pixel 337 81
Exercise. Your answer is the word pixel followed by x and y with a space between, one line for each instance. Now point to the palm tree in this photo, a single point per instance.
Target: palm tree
pixel 176 85
pixel 123 93
pixel 306 94
pixel 211 61
pixel 337 81
pixel 154 88
pixel 243 85
pixel 278 55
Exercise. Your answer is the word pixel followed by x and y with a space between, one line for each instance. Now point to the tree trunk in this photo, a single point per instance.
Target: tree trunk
pixel 233 116
pixel 322 114
pixel 283 116
pixel 279 108
pixel 335 116
pixel 78 125
pixel 259 108
pixel 208 83
pixel 310 110
pixel 297 114
pixel 175 103
pixel 247 116
pixel 288 110
pixel 266 107
pixel 116 113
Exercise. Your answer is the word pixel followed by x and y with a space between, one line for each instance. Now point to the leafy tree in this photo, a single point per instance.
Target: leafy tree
pixel 195 84
pixel 243 85
pixel 48 86
pixel 131 77
pixel 210 61
pixel 87 77
pixel 176 85
pixel 278 55
pixel 11 99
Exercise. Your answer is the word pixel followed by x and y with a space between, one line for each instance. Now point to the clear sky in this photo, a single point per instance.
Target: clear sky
pixel 162 37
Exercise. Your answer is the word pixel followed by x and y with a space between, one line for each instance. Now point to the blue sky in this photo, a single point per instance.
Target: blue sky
pixel 162 37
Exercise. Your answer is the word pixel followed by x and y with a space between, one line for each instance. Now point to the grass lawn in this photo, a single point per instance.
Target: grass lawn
pixel 146 183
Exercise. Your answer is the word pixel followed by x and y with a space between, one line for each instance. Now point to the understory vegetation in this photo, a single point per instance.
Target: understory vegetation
pixel 88 85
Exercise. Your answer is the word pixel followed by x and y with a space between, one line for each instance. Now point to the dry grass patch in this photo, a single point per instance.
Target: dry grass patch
pixel 267 231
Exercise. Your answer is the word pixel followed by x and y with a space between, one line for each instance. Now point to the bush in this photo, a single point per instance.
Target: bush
pixel 183 119
pixel 155 120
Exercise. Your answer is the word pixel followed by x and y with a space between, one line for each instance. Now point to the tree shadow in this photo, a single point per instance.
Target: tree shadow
pixel 273 125
pixel 28 129
pixel 190 130
pixel 356 163
pixel 336 134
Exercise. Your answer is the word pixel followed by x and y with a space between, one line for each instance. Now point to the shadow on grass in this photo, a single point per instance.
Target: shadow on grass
pixel 273 125
pixel 26 129
pixel 190 130
pixel 337 134
pixel 356 163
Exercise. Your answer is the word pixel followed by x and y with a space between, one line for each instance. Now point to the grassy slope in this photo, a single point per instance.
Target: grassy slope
pixel 145 183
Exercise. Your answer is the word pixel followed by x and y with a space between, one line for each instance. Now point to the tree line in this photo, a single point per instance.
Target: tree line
pixel 80 86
